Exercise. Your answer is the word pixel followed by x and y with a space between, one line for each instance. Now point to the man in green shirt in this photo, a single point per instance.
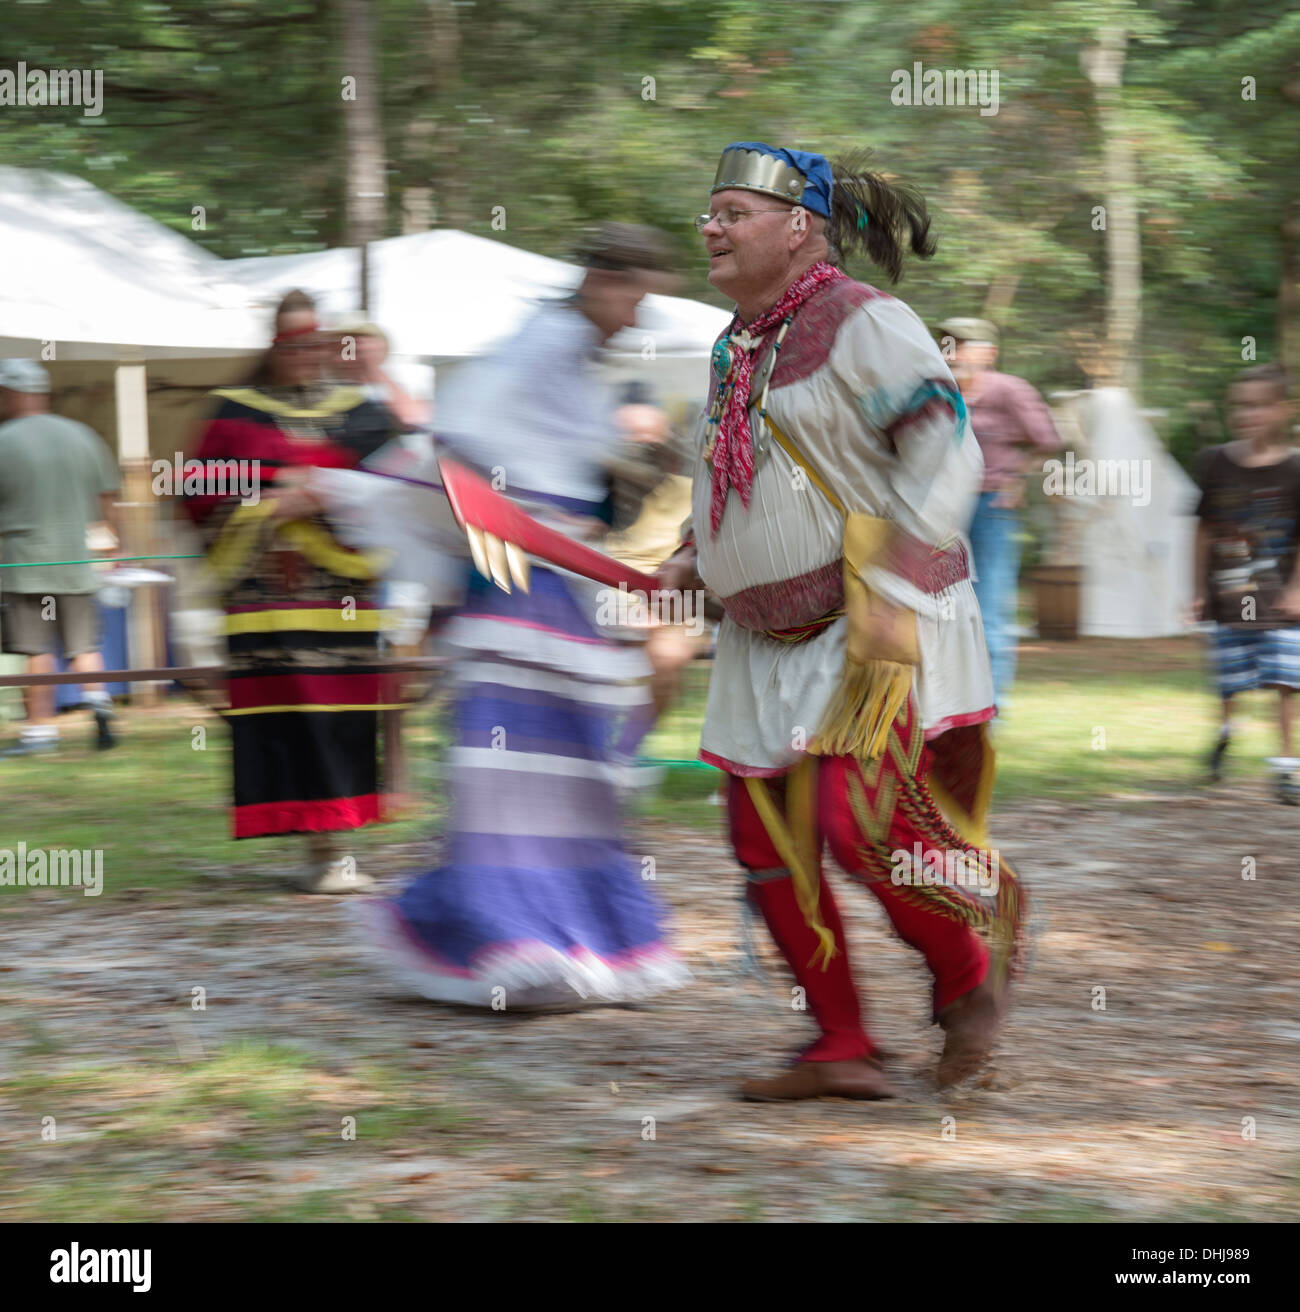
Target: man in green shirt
pixel 56 477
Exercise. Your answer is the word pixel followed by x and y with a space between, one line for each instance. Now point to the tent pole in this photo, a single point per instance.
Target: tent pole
pixel 137 521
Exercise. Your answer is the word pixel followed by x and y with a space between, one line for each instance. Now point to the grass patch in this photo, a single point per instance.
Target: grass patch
pixel 249 1101
pixel 1089 720
pixel 157 808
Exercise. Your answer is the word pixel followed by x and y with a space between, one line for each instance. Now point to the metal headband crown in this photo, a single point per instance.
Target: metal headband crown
pixel 754 171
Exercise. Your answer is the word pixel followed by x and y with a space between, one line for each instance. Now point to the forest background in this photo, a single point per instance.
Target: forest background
pixel 1130 214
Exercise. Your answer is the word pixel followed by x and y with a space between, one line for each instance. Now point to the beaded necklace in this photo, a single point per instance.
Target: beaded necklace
pixel 725 361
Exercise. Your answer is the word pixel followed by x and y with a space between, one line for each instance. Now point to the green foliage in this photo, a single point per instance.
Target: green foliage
pixel 547 110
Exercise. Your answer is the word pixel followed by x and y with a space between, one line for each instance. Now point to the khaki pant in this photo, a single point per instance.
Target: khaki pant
pixel 33 620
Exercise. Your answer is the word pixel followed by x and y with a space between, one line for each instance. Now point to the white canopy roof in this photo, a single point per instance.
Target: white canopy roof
pixel 104 282
pixel 445 295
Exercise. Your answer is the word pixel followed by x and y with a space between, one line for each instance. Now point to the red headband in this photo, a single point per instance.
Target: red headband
pixel 312 327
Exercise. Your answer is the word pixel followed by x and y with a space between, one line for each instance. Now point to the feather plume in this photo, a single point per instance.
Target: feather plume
pixel 882 219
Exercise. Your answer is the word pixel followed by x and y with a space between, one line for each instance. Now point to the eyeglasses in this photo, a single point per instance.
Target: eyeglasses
pixel 729 218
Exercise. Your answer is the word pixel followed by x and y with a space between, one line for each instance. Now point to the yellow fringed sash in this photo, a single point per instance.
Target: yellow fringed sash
pixel 797 845
pixel 876 681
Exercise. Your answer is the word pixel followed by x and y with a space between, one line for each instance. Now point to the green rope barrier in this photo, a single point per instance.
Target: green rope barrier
pixel 118 560
pixel 95 560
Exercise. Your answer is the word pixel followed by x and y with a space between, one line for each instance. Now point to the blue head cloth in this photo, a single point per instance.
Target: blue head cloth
pixel 795 175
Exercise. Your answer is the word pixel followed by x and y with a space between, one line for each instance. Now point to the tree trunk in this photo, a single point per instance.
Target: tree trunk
pixel 1002 290
pixel 1288 295
pixel 363 136
pixel 1104 66
pixel 1288 285
pixel 450 188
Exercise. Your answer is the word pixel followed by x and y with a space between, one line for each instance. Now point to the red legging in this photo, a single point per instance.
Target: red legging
pixel 955 954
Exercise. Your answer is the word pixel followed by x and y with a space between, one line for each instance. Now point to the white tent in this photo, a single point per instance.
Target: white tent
pixel 1134 507
pixel 88 278
pixel 446 296
pixel 136 321
pixel 101 281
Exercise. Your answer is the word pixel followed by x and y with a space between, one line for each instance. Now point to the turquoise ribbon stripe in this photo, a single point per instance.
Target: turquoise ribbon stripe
pixel 94 560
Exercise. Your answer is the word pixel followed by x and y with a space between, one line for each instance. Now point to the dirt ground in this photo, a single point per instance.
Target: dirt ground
pixel 1177 1101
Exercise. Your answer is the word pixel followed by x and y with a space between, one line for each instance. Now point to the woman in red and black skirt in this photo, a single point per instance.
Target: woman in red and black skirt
pixel 302 622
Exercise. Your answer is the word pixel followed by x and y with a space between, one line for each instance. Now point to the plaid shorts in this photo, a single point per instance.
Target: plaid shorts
pixel 1256 658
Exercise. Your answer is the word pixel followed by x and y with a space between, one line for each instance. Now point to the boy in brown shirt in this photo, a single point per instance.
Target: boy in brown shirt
pixel 1246 559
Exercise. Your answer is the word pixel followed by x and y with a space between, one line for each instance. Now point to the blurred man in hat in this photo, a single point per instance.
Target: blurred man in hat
pixel 57 477
pixel 1013 427
pixel 834 473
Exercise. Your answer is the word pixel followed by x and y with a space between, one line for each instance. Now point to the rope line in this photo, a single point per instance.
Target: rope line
pixel 94 560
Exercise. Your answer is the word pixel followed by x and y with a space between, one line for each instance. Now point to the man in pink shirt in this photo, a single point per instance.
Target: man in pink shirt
pixel 1014 428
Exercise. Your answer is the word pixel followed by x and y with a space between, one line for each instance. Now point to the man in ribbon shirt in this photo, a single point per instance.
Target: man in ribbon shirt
pixel 834 470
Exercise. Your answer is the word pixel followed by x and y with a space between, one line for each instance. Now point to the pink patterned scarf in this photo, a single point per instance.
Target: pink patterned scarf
pixel 733 448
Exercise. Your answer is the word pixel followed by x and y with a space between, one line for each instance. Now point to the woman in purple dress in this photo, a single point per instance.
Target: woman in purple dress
pixel 538 901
